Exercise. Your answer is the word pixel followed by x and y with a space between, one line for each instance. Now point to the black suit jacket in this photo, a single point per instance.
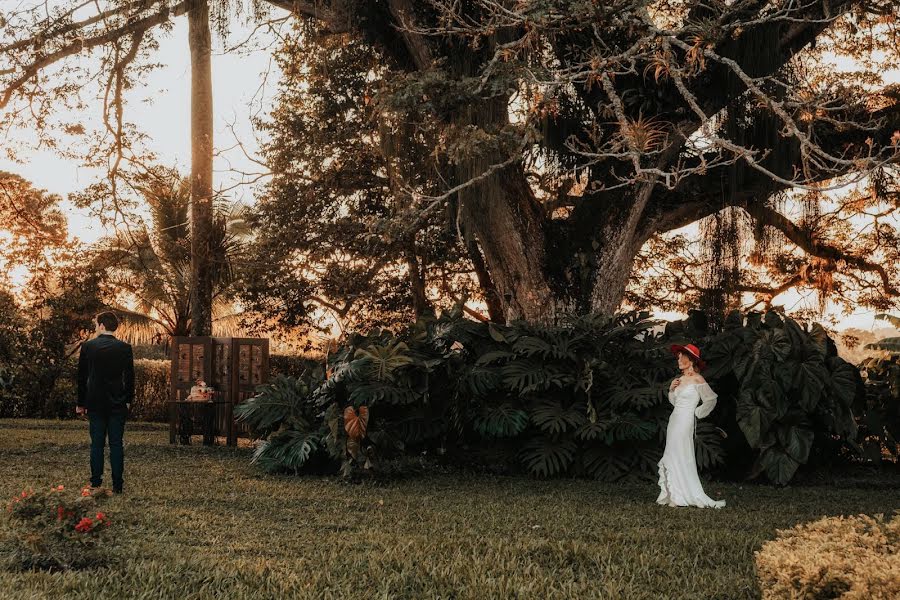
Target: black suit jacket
pixel 105 375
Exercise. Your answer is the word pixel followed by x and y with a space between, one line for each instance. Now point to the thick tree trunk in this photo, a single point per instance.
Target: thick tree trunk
pixel 495 309
pixel 617 241
pixel 613 271
pixel 201 167
pixel 500 209
pixel 421 305
pixel 507 221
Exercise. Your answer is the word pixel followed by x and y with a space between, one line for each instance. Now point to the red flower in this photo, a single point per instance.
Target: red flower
pixel 84 525
pixel 100 516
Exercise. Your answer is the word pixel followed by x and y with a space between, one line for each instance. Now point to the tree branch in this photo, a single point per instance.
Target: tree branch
pixel 806 242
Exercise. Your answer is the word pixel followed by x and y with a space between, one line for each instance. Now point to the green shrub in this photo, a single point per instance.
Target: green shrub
pixel 290 365
pixel 781 384
pixel 585 398
pixel 879 413
pixel 151 390
pixel 51 530
pixel 837 557
pixel 286 420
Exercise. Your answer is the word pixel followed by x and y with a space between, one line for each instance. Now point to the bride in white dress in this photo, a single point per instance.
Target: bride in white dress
pixel 693 399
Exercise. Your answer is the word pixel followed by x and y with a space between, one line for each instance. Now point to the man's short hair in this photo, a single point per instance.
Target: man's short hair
pixel 109 321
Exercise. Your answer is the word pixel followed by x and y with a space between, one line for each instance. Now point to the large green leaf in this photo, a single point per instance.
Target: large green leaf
pixel 708 445
pixel 777 342
pixel 554 418
pixel 819 338
pixel 502 421
pixel 279 401
pixel 779 467
pixel 545 457
pixel 607 464
pixel 843 381
pixel 750 419
pixel 796 441
pixel 773 319
pixel 287 450
pixel 809 381
pixel 889 344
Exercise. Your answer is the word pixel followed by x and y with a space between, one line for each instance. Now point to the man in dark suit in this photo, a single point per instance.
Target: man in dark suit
pixel 105 392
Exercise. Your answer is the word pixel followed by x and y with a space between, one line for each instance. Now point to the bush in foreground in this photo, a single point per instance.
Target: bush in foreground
pixel 51 530
pixel 838 557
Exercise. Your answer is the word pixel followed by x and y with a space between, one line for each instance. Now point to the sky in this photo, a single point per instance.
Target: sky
pixel 244 85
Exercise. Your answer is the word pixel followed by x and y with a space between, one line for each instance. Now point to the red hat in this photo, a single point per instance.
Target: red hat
pixel 691 350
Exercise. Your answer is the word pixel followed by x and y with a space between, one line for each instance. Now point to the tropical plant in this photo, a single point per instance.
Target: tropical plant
pixel 879 412
pixel 287 422
pixel 149 265
pixel 889 344
pixel 791 390
pixel 586 397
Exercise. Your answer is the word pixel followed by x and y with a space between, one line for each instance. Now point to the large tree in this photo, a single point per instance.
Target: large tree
pixel 322 253
pixel 644 117
pixel 575 131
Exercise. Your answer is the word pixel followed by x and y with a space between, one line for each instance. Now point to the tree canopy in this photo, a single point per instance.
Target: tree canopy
pixel 567 134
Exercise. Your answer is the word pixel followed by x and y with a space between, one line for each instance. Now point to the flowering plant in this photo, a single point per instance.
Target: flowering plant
pixel 52 530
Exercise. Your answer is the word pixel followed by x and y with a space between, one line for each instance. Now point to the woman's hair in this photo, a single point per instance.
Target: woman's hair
pixel 698 364
pixel 109 321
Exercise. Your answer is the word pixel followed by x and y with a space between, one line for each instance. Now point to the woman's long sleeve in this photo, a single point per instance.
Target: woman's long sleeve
pixel 707 401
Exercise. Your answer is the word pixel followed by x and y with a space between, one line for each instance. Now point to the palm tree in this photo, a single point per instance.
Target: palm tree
pixel 150 266
pixel 201 188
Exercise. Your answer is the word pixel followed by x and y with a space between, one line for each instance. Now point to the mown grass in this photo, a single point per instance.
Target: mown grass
pixel 202 523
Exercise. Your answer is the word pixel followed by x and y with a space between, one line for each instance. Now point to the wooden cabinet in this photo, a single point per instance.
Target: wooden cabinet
pixel 234 367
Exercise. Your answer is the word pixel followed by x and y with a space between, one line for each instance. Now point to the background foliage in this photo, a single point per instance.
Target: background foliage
pixel 585 398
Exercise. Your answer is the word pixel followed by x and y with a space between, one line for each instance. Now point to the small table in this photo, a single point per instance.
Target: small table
pixel 189 416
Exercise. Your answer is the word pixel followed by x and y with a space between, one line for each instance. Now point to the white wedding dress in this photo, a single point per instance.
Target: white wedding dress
pixel 678 480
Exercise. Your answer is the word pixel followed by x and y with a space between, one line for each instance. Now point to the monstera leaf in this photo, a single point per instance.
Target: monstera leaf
pixel 552 417
pixel 479 380
pixel 530 375
pixel 545 457
pixel 281 401
pixel 708 445
pixel 287 450
pixel 502 421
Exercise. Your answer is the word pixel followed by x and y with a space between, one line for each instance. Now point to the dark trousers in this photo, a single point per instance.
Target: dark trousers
pixel 103 427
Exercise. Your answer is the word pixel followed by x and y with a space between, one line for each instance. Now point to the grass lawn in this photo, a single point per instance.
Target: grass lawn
pixel 202 523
